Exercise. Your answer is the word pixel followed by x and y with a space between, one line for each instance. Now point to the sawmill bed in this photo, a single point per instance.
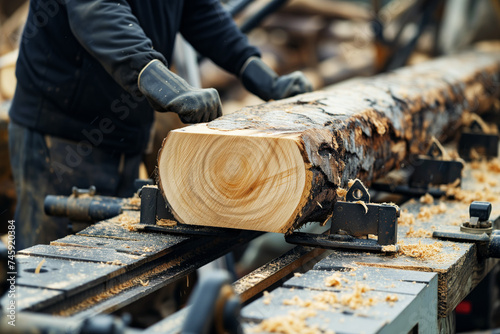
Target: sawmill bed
pixel 109 265
pixel 442 280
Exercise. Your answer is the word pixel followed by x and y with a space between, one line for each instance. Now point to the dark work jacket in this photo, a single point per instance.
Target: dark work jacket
pixel 79 62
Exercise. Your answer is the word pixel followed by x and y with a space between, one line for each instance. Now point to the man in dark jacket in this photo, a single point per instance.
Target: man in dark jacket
pixel 91 72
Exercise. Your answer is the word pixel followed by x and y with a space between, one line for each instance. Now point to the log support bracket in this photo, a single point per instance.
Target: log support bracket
pixel 355 218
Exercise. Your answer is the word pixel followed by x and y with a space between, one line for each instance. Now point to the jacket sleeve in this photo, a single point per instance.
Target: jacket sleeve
pixel 212 32
pixel 111 33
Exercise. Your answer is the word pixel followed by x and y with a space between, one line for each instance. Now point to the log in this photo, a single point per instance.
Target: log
pixel 275 166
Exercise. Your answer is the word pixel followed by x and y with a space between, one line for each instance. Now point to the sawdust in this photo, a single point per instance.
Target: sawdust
pixel 426 212
pixel 118 288
pixel 420 233
pixel 135 200
pixel 493 165
pixel 475 164
pixel 479 176
pixel 126 221
pixel 420 251
pixel 468 196
pixel 350 183
pixel 327 297
pixel 391 299
pixel 406 218
pixel 356 300
pixel 427 199
pixel 292 323
pixel 166 222
pixel 389 248
pixel 325 300
pixel 307 303
pixel 334 280
pixel 116 263
pixel 267 298
pixel 144 283
pixel 297 274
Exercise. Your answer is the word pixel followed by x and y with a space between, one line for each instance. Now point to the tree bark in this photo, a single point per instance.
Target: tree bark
pixel 276 166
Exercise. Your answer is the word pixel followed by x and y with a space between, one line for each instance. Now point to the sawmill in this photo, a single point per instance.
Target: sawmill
pixel 249 166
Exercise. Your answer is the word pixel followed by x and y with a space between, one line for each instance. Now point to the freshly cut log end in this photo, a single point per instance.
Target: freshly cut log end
pixel 235 179
pixel 276 166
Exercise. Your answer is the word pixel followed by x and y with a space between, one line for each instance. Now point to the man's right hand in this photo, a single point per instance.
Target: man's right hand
pixel 167 91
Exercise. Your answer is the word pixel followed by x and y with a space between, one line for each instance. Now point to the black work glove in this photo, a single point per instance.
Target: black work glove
pixel 167 91
pixel 261 80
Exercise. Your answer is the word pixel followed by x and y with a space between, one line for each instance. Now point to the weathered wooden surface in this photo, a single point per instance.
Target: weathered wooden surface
pixel 109 265
pixel 459 270
pixel 415 304
pixel 275 166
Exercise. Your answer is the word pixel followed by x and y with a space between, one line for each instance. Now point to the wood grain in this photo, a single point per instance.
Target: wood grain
pixel 276 166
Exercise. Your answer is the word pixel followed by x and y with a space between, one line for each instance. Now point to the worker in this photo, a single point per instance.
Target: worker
pixel 91 72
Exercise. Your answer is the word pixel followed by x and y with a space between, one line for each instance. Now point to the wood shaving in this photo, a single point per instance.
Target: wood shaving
pixel 116 263
pixel 297 274
pixel 389 248
pixel 391 298
pixel 334 280
pixel 363 204
pixel 427 199
pixel 420 251
pixel 350 183
pixel 327 297
pixel 307 303
pixel 267 298
pixel 341 192
pixel 468 196
pixel 166 222
pixel 406 218
pixel 420 233
pixel 356 300
pixel 39 266
pixel 474 154
pixel 144 283
pixel 323 301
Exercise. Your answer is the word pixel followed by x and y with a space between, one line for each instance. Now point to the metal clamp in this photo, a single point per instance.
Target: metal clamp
pixel 475 138
pixel 479 222
pixel 154 208
pixel 356 217
pixel 478 229
pixel 432 169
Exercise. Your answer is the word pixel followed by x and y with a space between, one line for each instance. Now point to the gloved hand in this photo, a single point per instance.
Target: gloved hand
pixel 262 81
pixel 167 91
